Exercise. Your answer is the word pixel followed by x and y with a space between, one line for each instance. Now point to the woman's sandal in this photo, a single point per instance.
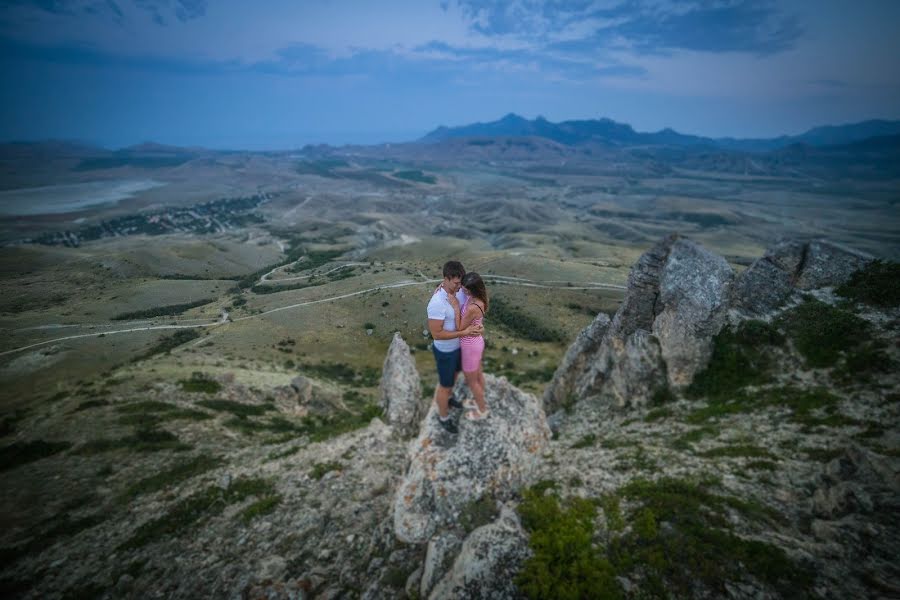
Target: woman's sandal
pixel 477 415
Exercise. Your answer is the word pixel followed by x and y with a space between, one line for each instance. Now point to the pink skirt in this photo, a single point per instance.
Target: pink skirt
pixel 472 350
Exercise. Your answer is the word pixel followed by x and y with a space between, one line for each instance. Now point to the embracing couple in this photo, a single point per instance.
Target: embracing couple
pixel 455 314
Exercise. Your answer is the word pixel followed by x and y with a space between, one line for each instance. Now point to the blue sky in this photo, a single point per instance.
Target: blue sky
pixel 280 73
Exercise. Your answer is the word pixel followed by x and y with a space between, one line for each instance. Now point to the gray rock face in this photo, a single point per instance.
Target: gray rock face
pixel 400 389
pixel 447 472
pixel 575 362
pixel 488 562
pixel 791 265
pixel 677 300
pixel 693 293
pixel 829 264
pixel 439 557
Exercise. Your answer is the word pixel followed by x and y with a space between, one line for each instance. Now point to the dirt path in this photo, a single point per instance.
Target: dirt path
pixel 223 321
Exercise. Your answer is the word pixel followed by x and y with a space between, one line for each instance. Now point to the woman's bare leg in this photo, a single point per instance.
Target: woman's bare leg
pixel 477 388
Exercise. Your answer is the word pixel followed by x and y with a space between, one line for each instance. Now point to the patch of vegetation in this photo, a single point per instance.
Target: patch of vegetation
pixel 238 409
pixel 478 513
pixel 680 543
pixel 46 534
pixel 199 383
pixel 320 469
pixel 283 453
pixel 738 451
pixel 663 396
pixel 878 284
pixel 416 175
pixel 172 476
pixel 169 343
pixel 148 414
pixel 864 363
pixel 263 506
pixel 161 311
pixel 143 440
pixel 762 465
pixel 521 324
pixel 585 442
pixel 21 453
pixel 740 357
pixel 686 440
pixel 322 167
pixel 565 564
pixel 196 509
pixel 825 455
pixel 97 402
pixel 822 332
pixel 801 402
pixel 344 373
pixel 657 414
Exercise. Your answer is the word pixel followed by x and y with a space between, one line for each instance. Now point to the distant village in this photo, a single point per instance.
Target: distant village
pixel 208 217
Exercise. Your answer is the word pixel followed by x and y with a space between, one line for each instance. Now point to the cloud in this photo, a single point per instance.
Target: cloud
pixel 642 26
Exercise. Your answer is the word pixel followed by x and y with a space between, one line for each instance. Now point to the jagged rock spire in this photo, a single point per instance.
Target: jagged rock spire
pixel 400 389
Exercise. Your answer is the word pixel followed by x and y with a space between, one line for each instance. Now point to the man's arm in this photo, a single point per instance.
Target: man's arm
pixel 436 327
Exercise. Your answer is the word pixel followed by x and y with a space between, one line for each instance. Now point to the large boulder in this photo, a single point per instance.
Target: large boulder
pixel 693 295
pixel 488 562
pixel 400 389
pixel 790 265
pixel 675 303
pixel 447 472
pixel 559 393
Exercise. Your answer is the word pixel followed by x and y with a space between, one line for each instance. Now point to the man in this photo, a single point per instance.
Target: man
pixel 442 311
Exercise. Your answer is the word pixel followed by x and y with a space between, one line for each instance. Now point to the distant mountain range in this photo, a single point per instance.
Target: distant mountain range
pixel 609 132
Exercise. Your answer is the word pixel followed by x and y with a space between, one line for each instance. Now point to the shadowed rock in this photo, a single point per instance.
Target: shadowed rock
pixel 488 562
pixel 662 333
pixel 587 343
pixel 790 265
pixel 447 472
pixel 400 389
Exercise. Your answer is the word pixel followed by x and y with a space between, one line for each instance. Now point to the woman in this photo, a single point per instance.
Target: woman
pixel 472 312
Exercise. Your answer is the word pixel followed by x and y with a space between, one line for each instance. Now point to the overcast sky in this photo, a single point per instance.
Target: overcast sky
pixel 281 73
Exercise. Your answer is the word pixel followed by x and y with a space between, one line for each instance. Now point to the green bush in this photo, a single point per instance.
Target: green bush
pixel 877 284
pixel 740 357
pixel 696 554
pixel 564 565
pixel 821 332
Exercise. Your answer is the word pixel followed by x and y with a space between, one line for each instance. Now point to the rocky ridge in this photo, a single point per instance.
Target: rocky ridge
pixel 800 464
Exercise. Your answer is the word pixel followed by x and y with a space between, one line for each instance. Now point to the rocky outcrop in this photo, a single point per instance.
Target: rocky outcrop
pixel 693 297
pixel 488 562
pixel 305 396
pixel 791 265
pixel 677 300
pixel 400 390
pixel 447 471
pixel 561 390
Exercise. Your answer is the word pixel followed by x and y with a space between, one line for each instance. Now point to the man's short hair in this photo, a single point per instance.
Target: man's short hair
pixel 454 268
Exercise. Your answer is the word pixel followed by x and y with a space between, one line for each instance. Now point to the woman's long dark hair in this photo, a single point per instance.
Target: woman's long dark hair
pixel 474 284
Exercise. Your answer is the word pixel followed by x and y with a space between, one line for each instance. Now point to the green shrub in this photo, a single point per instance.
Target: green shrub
pixel 520 323
pixel 586 441
pixel 196 509
pixel 20 453
pixel 199 383
pixel 740 357
pixel 172 476
pixel 160 311
pixel 821 332
pixel 263 506
pixel 169 343
pixel 696 554
pixel 564 565
pixel 320 469
pixel 878 284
